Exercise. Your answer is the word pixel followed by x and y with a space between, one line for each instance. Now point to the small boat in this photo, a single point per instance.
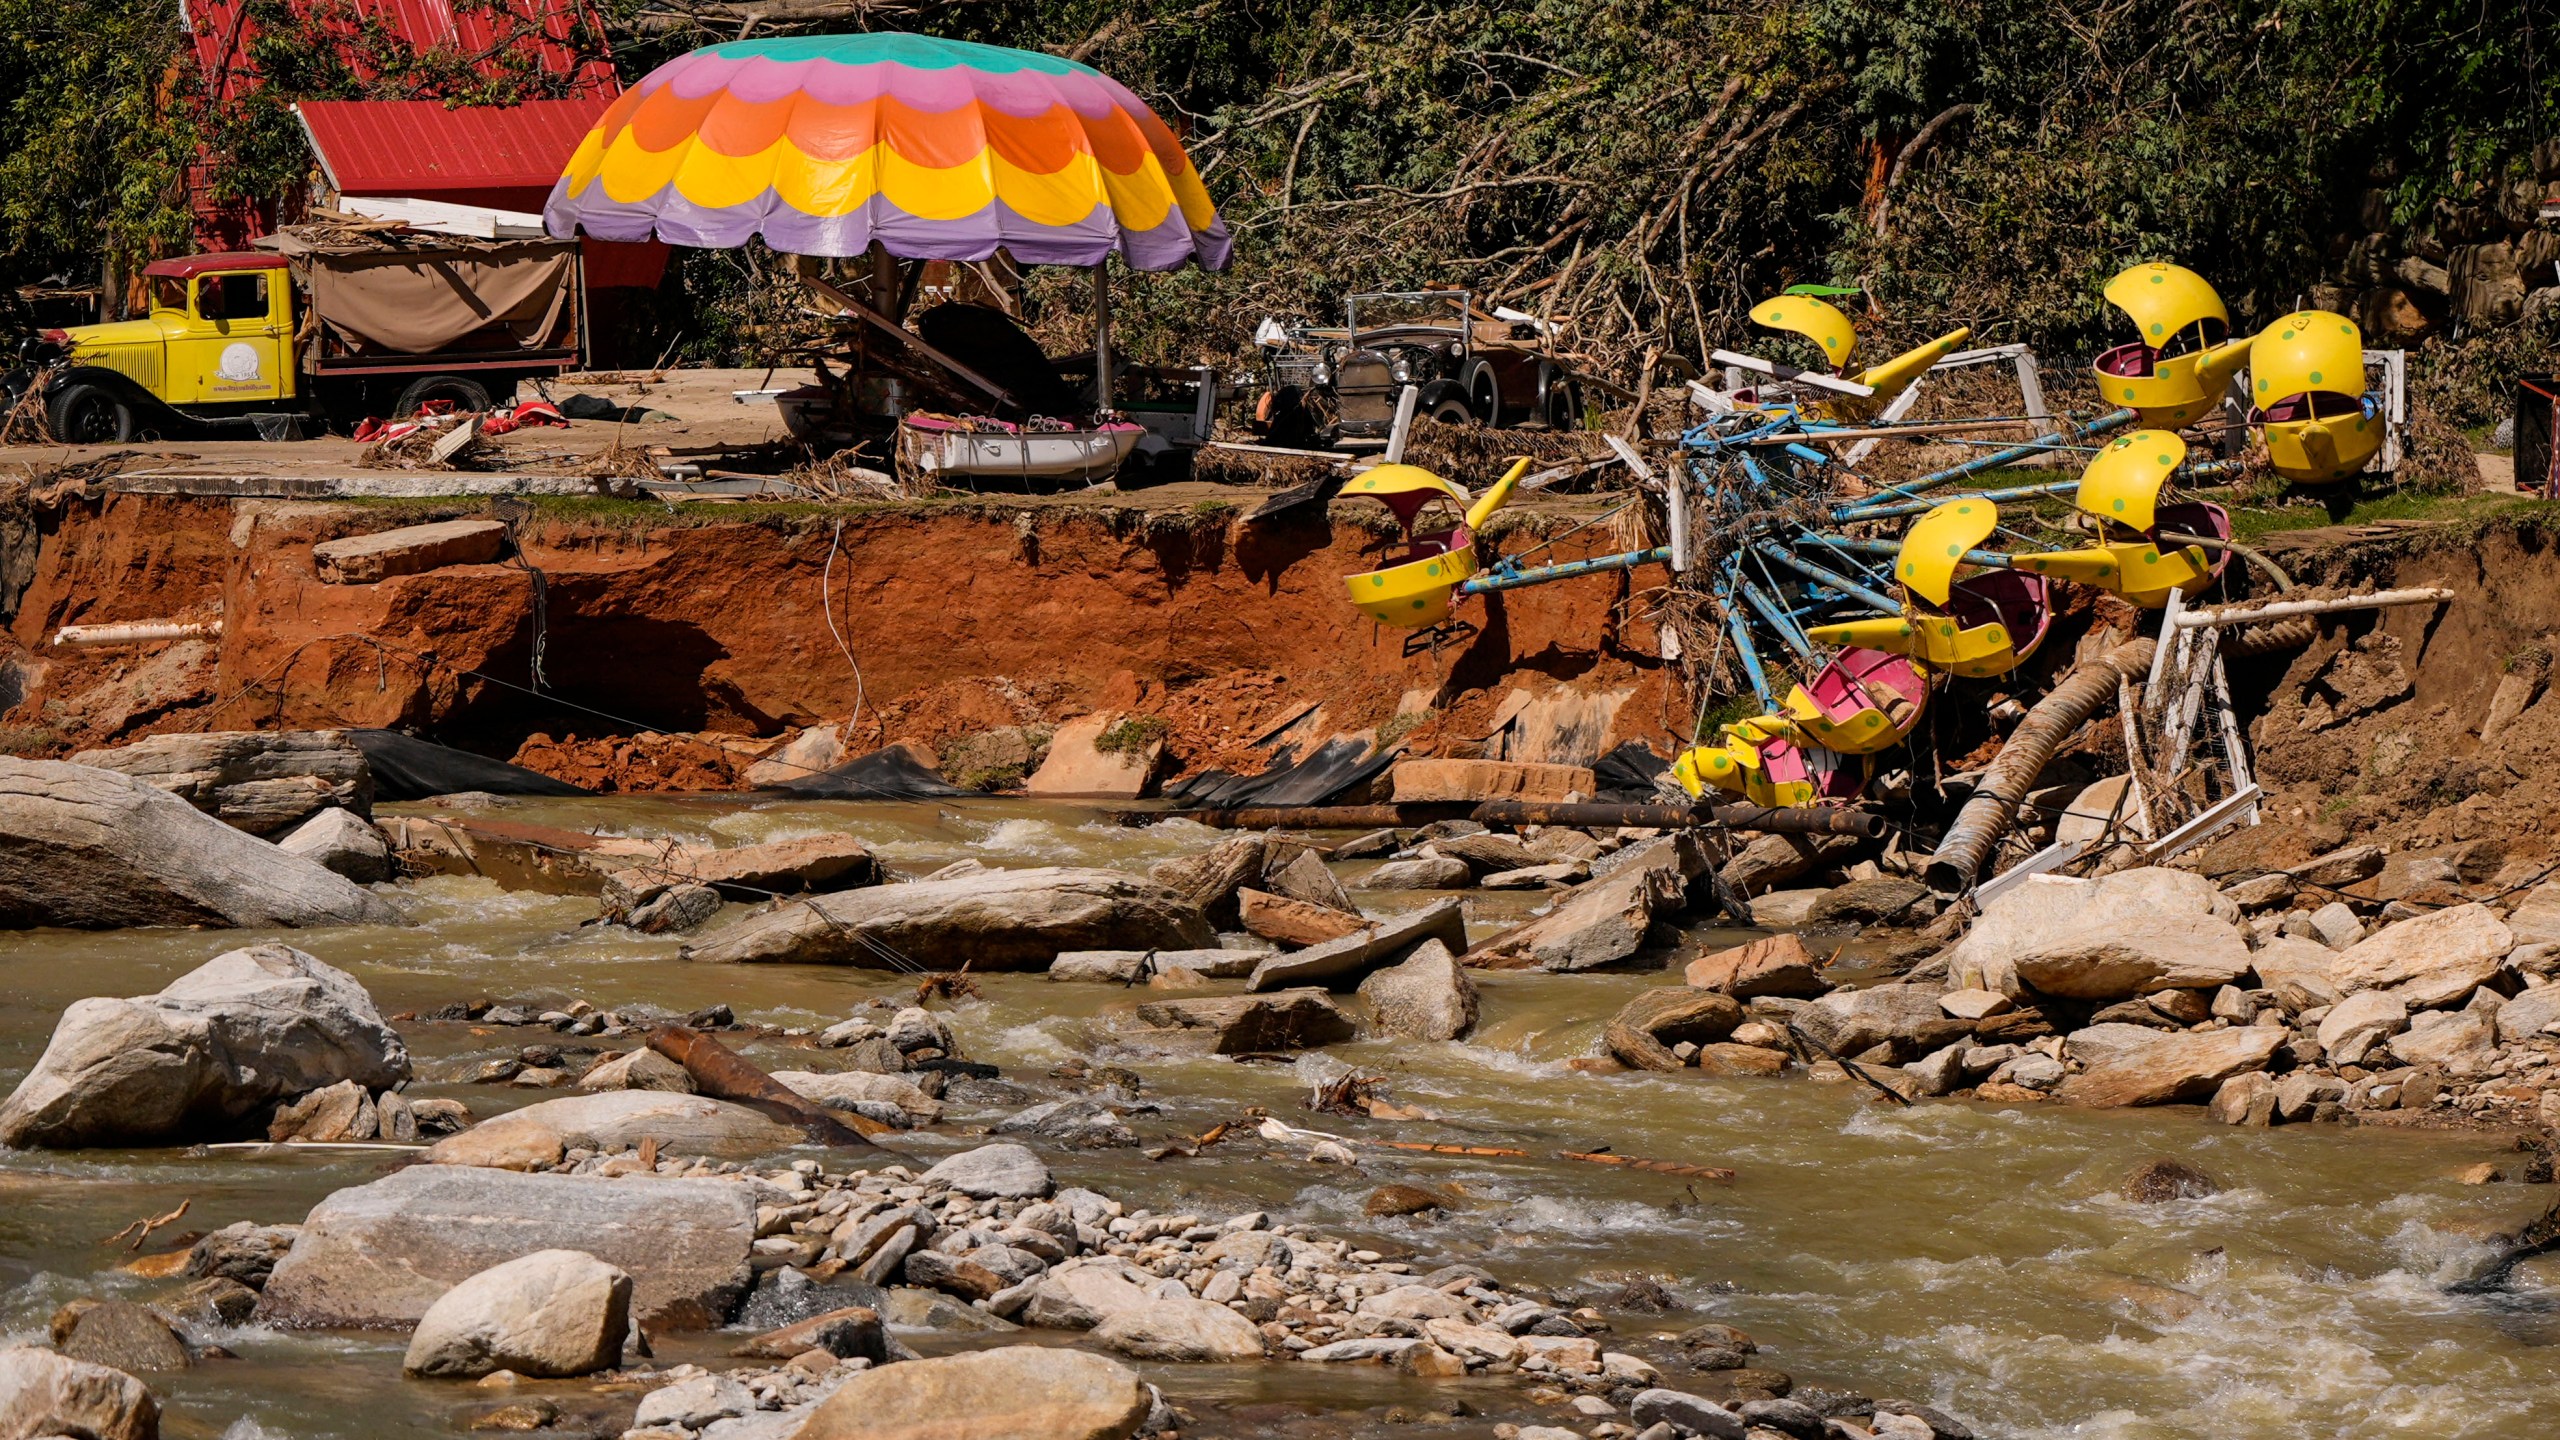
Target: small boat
pixel 978 448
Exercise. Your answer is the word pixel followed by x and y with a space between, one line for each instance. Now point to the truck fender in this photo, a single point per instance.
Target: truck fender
pixel 151 414
pixel 1436 393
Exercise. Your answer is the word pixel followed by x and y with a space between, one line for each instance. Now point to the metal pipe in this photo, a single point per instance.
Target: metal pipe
pixel 2279 609
pixel 1750 657
pixel 1864 511
pixel 137 632
pixel 1841 583
pixel 1848 513
pixel 1310 817
pixel 1779 620
pixel 1761 819
pixel 1993 807
pixel 1539 575
pixel 2113 419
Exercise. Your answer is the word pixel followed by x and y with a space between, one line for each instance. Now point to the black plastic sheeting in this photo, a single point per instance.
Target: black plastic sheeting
pixel 1627 772
pixel 408 768
pixel 1336 767
pixel 891 774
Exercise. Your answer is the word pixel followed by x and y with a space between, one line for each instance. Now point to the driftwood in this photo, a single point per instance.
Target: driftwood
pixel 1506 1152
pixel 718 1072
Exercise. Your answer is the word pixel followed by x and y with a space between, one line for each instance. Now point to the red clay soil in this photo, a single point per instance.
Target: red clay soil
pixel 961 619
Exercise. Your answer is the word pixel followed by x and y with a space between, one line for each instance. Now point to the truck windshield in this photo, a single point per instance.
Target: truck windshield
pixel 168 292
pixel 1433 309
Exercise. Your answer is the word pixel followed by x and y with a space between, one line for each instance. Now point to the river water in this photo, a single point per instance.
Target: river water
pixel 1972 1257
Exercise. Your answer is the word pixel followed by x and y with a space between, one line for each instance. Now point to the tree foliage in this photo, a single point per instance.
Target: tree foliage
pixel 1643 168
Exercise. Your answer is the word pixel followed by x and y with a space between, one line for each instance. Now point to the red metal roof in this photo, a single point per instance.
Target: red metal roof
pixel 505 157
pixel 567 37
pixel 188 266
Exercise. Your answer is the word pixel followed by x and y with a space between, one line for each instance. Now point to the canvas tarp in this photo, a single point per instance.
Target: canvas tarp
pixel 498 296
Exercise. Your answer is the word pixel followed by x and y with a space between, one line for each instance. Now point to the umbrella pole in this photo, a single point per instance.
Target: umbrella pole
pixel 1102 336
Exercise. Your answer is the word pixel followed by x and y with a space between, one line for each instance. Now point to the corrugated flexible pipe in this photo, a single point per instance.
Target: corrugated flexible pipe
pixel 1993 808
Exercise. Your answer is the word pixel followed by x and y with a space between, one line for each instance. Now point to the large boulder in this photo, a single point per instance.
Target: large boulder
pixel 1080 1295
pixel 1250 1024
pixel 44 1394
pixel 120 1335
pixel 991 920
pixel 2131 933
pixel 1908 1018
pixel 1607 919
pixel 2460 1043
pixel 1773 965
pixel 854 1089
pixel 95 850
pixel 1003 1171
pixel 2137 1065
pixel 694 1125
pixel 2536 918
pixel 2355 1025
pixel 261 781
pixel 1180 1329
pixel 832 861
pixel 2535 1012
pixel 343 843
pixel 547 1314
pixel 1210 880
pixel 206 1057
pixel 1341 963
pixel 2302 973
pixel 1425 996
pixel 1015 1393
pixel 1643 1031
pixel 2434 959
pixel 378 1256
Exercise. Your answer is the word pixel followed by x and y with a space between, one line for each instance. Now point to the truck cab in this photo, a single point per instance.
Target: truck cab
pixel 219 335
pixel 316 331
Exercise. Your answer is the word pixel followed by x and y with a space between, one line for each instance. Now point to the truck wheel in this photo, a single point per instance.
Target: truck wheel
pixel 1564 406
pixel 468 396
pixel 83 414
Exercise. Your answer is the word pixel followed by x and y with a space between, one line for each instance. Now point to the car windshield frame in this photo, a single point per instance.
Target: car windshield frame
pixel 1419 316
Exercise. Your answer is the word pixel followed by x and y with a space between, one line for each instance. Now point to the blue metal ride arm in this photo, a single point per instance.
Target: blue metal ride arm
pixel 1868 510
pixel 1842 583
pixel 1779 620
pixel 1741 631
pixel 1894 547
pixel 2113 419
pixel 1500 578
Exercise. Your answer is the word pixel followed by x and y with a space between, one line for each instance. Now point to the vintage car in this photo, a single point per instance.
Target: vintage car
pixel 1339 387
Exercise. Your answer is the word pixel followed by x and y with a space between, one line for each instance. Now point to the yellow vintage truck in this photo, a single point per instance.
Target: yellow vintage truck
pixel 301 334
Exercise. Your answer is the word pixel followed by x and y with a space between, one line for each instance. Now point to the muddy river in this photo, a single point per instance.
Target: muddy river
pixel 1970 1257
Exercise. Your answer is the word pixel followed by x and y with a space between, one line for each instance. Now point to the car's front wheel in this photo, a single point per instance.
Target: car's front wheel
pixel 85 414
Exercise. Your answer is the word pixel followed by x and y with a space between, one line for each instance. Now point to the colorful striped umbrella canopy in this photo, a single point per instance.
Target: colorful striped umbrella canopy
pixel 934 149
